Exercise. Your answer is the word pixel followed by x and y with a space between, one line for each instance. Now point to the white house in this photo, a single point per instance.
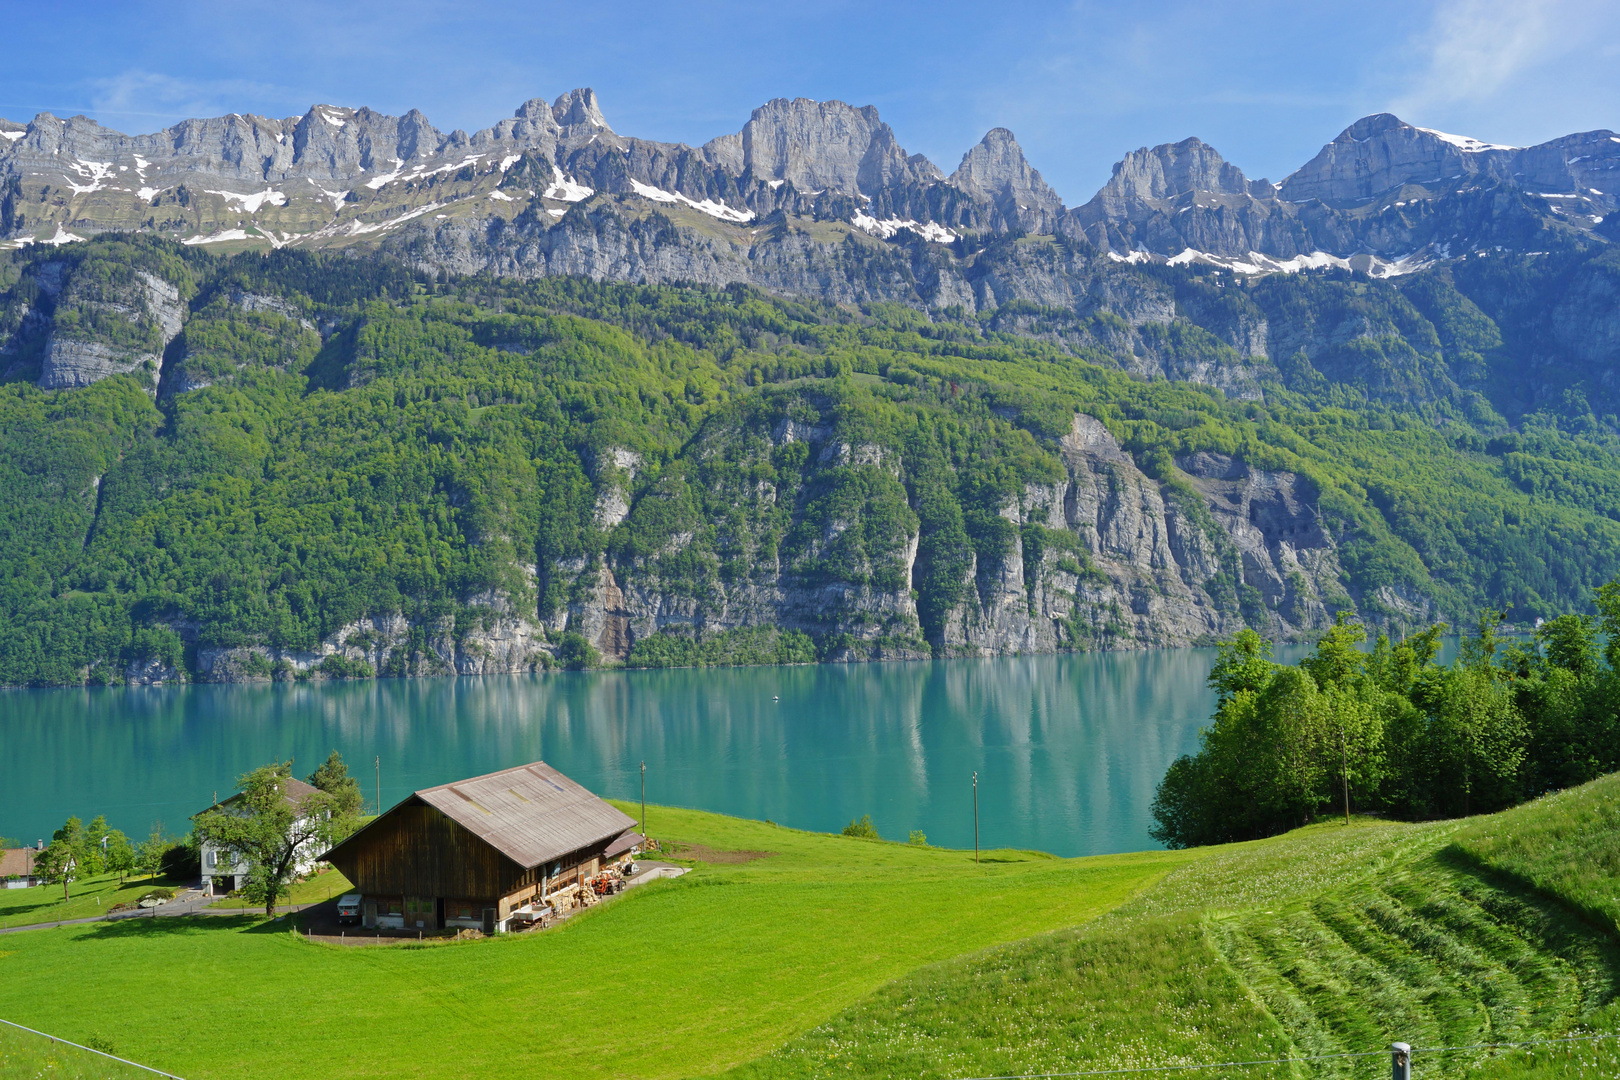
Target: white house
pixel 223 870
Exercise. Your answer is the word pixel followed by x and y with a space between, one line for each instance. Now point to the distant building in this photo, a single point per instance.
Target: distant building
pixel 471 853
pixel 17 868
pixel 223 870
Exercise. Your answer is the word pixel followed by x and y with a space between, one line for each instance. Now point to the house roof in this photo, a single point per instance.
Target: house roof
pixel 295 792
pixel 18 861
pixel 531 814
pixel 624 844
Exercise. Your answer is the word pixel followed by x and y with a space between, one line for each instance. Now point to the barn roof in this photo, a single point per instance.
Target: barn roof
pixel 531 814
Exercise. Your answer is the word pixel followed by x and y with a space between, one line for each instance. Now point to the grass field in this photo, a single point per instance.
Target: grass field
pixel 1330 940
pixel 312 890
pixel 26 1056
pixel 842 957
pixel 88 898
pixel 675 978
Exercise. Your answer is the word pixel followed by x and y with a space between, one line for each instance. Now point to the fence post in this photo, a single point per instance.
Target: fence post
pixel 1400 1061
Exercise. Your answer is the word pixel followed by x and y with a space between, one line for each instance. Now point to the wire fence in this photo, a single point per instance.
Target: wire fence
pixel 92 1050
pixel 1414 1052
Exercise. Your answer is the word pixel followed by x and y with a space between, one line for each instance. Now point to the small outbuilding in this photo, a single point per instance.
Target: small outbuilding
pixel 474 853
pixel 17 868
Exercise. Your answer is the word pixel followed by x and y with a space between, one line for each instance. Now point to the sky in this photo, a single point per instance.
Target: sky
pixel 1080 84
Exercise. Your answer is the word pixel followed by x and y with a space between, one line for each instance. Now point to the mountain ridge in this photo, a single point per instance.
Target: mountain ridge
pixel 1380 195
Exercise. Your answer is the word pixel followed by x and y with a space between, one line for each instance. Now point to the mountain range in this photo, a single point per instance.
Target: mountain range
pixel 1384 196
pixel 342 393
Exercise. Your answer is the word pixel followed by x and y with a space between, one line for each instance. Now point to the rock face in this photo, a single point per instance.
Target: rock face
pixel 997 170
pixel 1383 153
pixel 88 349
pixel 1384 197
pixel 1123 564
pixel 819 145
pixel 501 643
pixel 771 204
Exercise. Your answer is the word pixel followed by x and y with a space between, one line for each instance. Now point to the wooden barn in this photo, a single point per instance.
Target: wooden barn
pixel 471 853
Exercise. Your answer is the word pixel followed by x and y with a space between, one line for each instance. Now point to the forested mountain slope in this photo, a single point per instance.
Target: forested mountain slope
pixel 228 467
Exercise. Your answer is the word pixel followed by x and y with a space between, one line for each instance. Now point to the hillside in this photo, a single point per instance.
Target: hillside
pixel 254 466
pixel 1329 941
pixel 788 954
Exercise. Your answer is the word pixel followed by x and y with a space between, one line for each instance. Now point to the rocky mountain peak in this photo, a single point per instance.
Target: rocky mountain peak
pixel 580 107
pixel 1382 152
pixel 822 145
pixel 996 169
pixel 1170 170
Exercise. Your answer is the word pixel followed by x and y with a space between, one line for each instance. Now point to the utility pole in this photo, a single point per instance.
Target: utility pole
pixel 378 764
pixel 975 817
pixel 644 802
pixel 1344 773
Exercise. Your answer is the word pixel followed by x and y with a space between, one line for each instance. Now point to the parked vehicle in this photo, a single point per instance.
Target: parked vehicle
pixel 349 908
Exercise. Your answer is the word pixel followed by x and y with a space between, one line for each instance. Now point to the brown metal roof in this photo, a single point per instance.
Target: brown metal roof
pixel 531 814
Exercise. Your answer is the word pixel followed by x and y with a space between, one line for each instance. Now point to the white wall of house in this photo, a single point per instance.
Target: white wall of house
pixel 224 870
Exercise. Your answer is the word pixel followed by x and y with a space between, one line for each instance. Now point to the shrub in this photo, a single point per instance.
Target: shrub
pixel 341 667
pixel 180 862
pixel 575 653
pixel 862 827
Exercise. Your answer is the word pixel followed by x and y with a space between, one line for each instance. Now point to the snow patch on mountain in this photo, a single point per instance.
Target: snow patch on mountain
pixel 95 172
pixel 563 189
pixel 219 237
pixel 1256 263
pixel 886 228
pixel 376 182
pixel 1464 143
pixel 250 204
pixel 708 206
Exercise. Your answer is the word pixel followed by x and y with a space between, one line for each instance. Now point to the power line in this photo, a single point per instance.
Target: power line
pixel 89 1049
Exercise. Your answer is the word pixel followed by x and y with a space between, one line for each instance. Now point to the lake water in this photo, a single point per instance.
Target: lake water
pixel 1068 748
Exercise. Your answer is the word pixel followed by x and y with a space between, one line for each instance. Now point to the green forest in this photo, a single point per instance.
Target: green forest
pixel 1392 731
pixel 358 439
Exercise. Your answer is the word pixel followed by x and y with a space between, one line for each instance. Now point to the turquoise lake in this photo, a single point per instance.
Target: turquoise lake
pixel 1068 748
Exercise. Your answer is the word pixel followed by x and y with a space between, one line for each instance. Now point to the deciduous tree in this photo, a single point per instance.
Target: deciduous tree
pixel 269 831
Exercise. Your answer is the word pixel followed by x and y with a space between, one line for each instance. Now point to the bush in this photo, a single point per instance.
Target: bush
pixel 180 862
pixel 575 653
pixel 917 837
pixel 341 667
pixel 862 827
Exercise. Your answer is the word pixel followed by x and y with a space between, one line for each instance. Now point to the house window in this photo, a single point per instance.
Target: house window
pixel 210 860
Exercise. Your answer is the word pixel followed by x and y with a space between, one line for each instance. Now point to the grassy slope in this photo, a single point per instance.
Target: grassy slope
pixel 31 1057
pixel 1329 940
pixel 87 899
pixel 856 957
pixel 322 886
pixel 676 978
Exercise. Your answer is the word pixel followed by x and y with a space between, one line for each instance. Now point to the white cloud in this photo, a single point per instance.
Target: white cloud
pixel 1477 48
pixel 142 100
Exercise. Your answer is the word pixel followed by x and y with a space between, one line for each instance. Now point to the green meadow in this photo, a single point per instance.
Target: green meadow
pixel 840 956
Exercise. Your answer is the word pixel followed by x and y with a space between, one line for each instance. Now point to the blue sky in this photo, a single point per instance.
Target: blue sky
pixel 1080 83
